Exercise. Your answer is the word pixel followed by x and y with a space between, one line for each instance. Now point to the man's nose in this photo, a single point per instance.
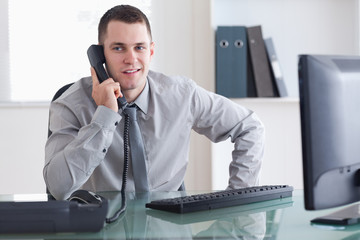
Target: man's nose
pixel 130 57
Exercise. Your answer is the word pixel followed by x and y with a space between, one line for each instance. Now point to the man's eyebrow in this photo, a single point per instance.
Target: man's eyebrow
pixel 123 44
pixel 117 44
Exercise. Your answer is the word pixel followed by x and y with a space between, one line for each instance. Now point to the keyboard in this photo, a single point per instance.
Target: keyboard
pixel 222 213
pixel 221 199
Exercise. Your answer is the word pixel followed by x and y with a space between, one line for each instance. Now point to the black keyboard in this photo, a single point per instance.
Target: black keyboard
pixel 221 199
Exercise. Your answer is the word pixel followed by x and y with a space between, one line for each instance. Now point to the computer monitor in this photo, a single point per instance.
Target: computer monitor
pixel 329 89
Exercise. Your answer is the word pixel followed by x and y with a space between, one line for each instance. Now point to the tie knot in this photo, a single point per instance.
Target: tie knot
pixel 131 111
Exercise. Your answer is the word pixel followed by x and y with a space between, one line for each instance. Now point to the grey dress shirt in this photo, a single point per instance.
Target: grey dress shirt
pixel 85 149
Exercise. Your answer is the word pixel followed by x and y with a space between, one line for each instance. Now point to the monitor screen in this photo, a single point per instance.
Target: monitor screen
pixel 330 129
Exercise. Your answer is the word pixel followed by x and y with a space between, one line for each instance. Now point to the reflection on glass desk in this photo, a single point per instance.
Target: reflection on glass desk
pixel 275 219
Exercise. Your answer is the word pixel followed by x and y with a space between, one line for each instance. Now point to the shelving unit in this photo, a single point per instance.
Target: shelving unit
pixel 297 27
pixel 266 100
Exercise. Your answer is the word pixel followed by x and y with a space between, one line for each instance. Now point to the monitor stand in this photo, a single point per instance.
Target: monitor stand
pixel 346 216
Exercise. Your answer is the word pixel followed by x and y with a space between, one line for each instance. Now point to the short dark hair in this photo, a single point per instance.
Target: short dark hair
pixel 123 13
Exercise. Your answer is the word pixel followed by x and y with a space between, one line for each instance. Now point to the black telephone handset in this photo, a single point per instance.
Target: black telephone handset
pixel 97 60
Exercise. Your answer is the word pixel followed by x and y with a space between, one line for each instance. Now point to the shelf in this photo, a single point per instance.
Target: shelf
pixel 266 100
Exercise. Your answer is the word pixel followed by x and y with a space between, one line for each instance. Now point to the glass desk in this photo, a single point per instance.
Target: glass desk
pixel 276 219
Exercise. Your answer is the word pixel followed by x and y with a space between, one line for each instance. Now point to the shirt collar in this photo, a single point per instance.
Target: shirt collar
pixel 142 101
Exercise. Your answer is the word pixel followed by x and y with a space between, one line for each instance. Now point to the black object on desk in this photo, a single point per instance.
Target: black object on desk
pixel 51 216
pixel 221 199
pixel 345 216
pixel 223 213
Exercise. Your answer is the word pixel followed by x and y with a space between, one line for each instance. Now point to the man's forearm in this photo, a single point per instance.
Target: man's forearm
pixel 71 156
pixel 248 153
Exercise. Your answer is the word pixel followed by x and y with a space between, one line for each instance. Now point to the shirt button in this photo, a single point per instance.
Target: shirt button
pixel 104 150
pixel 116 123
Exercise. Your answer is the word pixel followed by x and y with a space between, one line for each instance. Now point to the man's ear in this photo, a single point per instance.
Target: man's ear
pixel 152 48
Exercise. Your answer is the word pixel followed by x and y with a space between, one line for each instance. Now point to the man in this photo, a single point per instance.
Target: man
pixel 85 149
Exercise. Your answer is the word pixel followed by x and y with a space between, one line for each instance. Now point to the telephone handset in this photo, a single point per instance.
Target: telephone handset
pixel 97 60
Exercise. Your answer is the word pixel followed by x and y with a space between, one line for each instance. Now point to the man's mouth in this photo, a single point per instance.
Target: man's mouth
pixel 130 71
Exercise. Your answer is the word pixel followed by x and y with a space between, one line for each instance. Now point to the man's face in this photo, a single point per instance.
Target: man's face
pixel 128 51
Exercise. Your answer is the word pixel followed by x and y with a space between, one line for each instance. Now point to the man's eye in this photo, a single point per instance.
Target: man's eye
pixel 118 48
pixel 140 48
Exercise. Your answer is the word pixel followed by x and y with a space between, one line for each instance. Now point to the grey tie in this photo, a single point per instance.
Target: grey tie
pixel 137 151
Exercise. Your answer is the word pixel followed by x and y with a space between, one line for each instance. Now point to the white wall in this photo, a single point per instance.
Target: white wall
pixel 23 128
pixel 4 51
pixel 184 46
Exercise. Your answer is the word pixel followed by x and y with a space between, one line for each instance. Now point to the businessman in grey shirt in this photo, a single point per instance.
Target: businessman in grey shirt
pixel 85 149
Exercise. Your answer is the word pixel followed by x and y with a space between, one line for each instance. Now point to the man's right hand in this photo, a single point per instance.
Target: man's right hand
pixel 105 93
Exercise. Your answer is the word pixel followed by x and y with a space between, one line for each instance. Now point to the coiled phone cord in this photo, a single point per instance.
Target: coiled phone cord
pixel 125 172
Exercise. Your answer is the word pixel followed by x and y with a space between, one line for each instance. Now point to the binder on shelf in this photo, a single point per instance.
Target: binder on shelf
pixel 275 67
pixel 251 88
pixel 231 61
pixel 260 64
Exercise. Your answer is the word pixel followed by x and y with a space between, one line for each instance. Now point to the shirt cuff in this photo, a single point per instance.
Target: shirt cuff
pixel 106 117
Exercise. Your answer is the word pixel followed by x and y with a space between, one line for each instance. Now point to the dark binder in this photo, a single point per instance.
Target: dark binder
pixel 275 67
pixel 260 64
pixel 251 89
pixel 231 61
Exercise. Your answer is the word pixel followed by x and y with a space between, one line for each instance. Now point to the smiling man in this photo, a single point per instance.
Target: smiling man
pixel 85 149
